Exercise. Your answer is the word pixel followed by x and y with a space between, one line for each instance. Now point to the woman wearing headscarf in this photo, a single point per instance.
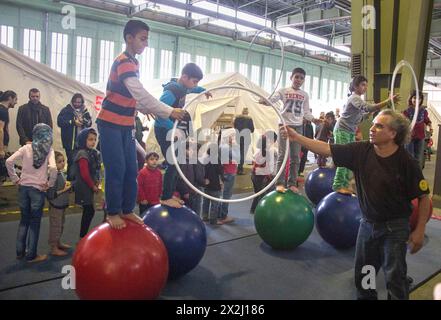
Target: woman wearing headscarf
pixel 39 172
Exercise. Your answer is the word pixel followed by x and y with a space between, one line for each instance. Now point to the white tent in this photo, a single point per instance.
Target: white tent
pixel 205 112
pixel 20 73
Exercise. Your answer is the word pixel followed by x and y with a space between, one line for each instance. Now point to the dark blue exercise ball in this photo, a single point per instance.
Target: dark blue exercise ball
pixel 318 184
pixel 338 219
pixel 183 234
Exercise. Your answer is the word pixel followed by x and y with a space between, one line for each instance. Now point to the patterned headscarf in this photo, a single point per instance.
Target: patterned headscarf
pixel 41 143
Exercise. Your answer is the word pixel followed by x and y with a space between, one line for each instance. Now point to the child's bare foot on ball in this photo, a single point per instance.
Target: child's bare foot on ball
pixel 133 217
pixel 116 222
pixel 171 203
pixel 280 188
pixel 179 200
pixel 345 191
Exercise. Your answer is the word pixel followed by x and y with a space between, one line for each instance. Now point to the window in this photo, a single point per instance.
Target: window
pixel 278 73
pixel 201 61
pixel 338 91
pixel 288 78
pixel 184 58
pixel 83 59
pixel 255 74
pixel 307 84
pixel 216 65
pixel 230 66
pixel 324 90
pixel 268 79
pixel 106 59
pixel 315 88
pixel 243 69
pixel 331 90
pixel 59 52
pixel 7 36
pixel 147 64
pixel 166 64
pixel 32 44
pixel 345 89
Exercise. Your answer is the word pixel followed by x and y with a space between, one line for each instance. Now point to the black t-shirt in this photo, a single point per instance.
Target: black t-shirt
pixel 4 116
pixel 385 186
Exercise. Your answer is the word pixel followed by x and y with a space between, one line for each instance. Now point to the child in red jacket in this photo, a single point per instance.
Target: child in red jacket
pixel 149 183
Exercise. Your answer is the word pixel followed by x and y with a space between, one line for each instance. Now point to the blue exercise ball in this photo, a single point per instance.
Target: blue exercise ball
pixel 338 219
pixel 318 184
pixel 183 234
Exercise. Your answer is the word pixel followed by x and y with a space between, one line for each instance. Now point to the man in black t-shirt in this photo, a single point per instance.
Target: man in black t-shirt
pixel 387 181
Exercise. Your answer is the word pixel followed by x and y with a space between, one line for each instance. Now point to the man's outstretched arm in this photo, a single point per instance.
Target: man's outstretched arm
pixel 315 146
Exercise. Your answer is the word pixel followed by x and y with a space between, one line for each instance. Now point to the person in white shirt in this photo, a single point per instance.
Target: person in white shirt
pixel 295 108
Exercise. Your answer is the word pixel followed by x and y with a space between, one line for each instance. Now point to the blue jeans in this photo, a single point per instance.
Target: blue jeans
pixel 171 174
pixel 294 159
pixel 196 202
pixel 118 151
pixel 210 208
pixel 383 245
pixel 31 202
pixel 416 150
pixel 226 194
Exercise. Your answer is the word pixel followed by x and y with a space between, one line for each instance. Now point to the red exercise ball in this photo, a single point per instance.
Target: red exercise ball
pixel 126 264
pixel 414 216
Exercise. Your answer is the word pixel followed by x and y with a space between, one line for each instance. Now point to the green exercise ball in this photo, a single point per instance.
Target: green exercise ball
pixel 284 220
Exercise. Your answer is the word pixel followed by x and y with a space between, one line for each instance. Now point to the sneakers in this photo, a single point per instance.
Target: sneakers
pixel 38 258
pixel 226 220
pixel 58 252
pixel 64 246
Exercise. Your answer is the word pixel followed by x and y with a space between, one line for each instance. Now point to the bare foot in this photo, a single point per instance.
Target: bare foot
pixel 294 189
pixel 133 217
pixel 281 188
pixel 58 252
pixel 116 222
pixel 64 246
pixel 171 203
pixel 344 191
pixel 179 200
pixel 38 258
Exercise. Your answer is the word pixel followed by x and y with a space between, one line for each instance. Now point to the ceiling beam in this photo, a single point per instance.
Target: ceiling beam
pixel 246 23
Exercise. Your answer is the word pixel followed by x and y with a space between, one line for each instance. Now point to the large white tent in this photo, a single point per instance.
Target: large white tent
pixel 20 73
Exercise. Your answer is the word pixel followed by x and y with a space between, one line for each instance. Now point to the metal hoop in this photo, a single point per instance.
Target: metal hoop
pixel 282 50
pixel 282 167
pixel 404 63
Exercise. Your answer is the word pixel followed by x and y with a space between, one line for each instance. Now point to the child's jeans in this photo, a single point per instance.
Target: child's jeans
pixel 118 150
pixel 56 225
pixel 86 219
pixel 259 182
pixel 383 245
pixel 171 174
pixel 226 194
pixel 342 175
pixel 31 202
pixel 210 208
